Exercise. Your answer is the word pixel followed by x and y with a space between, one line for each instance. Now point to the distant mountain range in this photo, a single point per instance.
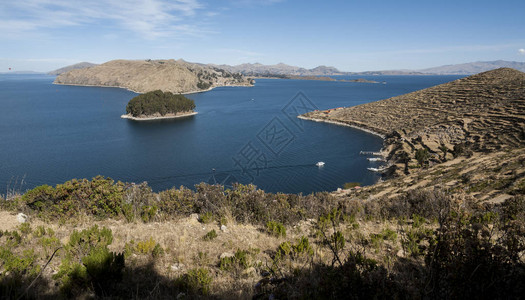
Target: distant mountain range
pixel 475 67
pixel 258 69
pixel 282 69
pixel 81 65
pixel 458 69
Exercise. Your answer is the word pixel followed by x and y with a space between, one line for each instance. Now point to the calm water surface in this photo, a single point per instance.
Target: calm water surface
pixel 50 134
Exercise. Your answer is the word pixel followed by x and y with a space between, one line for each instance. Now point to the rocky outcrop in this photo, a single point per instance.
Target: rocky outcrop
pixel 481 113
pixel 143 76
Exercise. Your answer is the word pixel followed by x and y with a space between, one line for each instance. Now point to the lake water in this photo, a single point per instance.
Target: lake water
pixel 52 133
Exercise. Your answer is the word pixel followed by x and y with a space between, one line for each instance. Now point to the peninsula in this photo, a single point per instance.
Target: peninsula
pixel 476 123
pixel 157 105
pixel 141 76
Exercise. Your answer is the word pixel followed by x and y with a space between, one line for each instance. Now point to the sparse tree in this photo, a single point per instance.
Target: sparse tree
pixel 422 156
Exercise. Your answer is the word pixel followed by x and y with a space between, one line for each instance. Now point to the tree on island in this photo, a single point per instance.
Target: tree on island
pixel 159 102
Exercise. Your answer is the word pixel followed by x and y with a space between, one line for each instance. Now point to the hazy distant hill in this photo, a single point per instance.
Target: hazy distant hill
pixel 279 69
pixel 387 72
pixel 458 69
pixel 21 72
pixel 475 67
pixel 81 65
pixel 176 76
pixel 284 69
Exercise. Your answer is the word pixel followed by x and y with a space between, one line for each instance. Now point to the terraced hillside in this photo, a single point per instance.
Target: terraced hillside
pixel 480 113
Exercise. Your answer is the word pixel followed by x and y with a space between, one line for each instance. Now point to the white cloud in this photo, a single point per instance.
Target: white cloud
pixel 148 18
pixel 521 51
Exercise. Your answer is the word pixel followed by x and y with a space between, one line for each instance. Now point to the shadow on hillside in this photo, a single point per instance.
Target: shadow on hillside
pixel 142 282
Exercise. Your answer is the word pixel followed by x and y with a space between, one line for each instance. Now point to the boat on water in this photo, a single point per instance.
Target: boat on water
pixel 377 169
pixel 375 159
pixel 320 164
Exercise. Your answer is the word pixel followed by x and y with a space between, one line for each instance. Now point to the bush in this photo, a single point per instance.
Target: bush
pixel 241 260
pixel 89 265
pixel 422 156
pixel 197 281
pixel 145 247
pixel 275 229
pixel 148 213
pixel 206 218
pixel 210 235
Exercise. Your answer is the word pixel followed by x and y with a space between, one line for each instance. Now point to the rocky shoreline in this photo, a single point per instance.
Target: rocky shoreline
pixel 340 123
pixel 137 92
pixel 153 118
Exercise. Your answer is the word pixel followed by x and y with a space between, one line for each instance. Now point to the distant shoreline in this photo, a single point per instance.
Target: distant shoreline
pixel 342 124
pixel 121 87
pixel 130 117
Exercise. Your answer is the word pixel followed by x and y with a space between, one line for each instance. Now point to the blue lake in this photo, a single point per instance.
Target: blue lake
pixel 51 133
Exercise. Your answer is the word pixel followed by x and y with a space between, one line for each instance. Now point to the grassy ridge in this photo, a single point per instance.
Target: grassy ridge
pixel 423 244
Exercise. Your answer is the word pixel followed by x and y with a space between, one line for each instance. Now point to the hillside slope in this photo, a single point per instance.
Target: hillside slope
pixel 144 76
pixel 480 113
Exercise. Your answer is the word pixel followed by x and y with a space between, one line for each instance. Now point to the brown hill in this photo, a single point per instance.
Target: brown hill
pixel 148 75
pixel 483 112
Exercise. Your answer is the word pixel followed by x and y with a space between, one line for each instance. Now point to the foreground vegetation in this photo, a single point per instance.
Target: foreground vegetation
pixel 159 102
pixel 422 244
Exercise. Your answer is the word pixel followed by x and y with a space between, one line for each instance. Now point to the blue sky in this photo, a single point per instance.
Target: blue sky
pixel 43 35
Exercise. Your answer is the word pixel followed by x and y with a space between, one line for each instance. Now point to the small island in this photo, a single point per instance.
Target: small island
pixel 158 105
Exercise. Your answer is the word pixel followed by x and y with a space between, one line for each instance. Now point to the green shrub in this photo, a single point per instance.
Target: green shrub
pixel 101 197
pixel 284 249
pixel 197 281
pixel 177 202
pixel 13 238
pixel 19 266
pixel 389 234
pixel 89 265
pixel 275 229
pixel 148 213
pixel 25 228
pixel 146 247
pixel 157 251
pixel 417 221
pixel 47 239
pixel 239 260
pixel 337 241
pixel 303 247
pixel 206 218
pixel 422 156
pixel 210 235
pixel 40 231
